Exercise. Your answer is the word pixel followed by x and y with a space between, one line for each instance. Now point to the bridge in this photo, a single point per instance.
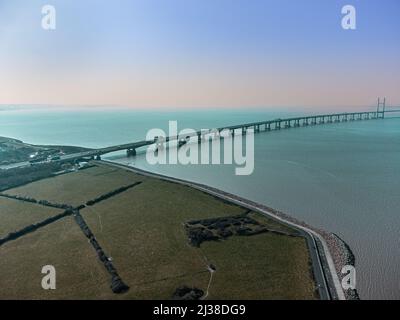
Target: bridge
pixel 276 124
pixel 265 126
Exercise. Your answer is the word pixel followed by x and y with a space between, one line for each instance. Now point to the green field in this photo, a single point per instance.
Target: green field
pixel 61 244
pixel 77 187
pixel 142 231
pixel 14 215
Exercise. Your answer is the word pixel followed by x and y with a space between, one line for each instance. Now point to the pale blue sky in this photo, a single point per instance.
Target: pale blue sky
pixel 194 53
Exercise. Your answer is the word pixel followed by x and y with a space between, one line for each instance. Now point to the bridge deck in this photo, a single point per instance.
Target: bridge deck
pixel 268 125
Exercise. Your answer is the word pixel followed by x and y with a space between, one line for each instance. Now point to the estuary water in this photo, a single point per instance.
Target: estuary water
pixel 344 178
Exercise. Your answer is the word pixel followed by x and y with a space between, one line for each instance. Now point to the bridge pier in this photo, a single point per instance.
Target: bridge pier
pixel 159 144
pixel 185 140
pixel 314 121
pixel 203 136
pixel 267 127
pixel 181 142
pixel 131 152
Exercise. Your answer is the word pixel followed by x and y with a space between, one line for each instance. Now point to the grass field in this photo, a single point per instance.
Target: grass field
pixel 264 266
pixel 14 215
pixel 61 244
pixel 142 231
pixel 77 187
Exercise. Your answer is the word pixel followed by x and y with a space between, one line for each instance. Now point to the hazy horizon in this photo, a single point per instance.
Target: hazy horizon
pixel 294 108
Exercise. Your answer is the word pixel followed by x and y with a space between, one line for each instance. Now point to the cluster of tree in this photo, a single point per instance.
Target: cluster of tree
pixel 11 155
pixel 41 202
pixel 33 227
pixel 117 285
pixel 111 194
pixel 16 177
pixel 54 205
pixel 21 198
pixel 216 229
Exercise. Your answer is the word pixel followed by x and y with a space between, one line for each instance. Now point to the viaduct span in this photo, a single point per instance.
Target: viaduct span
pixel 276 124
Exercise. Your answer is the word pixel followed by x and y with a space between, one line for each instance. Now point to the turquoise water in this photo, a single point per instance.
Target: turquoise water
pixel 343 177
pixel 109 127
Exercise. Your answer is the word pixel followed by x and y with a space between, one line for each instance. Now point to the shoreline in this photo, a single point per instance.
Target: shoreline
pixel 331 252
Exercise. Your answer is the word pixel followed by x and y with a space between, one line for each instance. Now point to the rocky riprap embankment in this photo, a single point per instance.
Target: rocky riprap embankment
pixel 342 256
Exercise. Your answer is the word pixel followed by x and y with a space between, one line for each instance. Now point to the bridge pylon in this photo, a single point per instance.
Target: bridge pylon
pixel 381 103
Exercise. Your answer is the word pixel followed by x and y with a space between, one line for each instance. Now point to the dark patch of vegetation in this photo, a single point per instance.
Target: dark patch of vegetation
pixel 33 227
pixel 8 156
pixel 20 198
pixel 352 294
pixel 41 202
pixel 117 285
pixel 53 205
pixel 13 151
pixel 186 293
pixel 17 177
pixel 217 229
pixel 111 194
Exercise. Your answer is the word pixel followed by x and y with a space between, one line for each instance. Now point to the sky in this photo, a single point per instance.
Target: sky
pixel 199 53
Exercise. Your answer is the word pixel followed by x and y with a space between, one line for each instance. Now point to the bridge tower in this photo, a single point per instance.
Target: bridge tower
pixel 383 105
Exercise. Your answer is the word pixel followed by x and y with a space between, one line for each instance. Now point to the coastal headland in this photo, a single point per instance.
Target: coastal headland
pixel 116 232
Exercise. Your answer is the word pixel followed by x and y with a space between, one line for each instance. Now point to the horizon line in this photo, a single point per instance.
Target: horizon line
pixel 183 108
